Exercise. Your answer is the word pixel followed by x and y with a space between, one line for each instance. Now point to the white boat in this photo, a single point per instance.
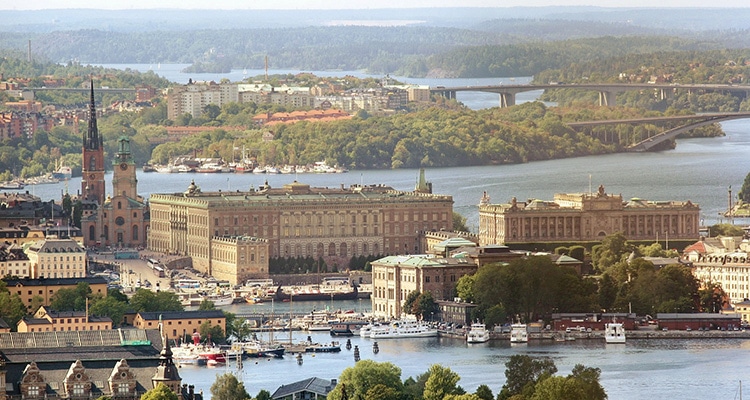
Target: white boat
pixel 403 329
pixel 478 333
pixel 220 299
pixel 519 333
pixel 166 169
pixel 614 333
pixel 63 172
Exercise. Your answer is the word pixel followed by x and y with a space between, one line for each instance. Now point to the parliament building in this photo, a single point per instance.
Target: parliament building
pixel 232 235
pixel 585 217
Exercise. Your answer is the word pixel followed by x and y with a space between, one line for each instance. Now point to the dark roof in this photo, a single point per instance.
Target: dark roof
pixel 36 321
pixel 3 324
pixel 312 385
pixel 173 315
pixel 55 281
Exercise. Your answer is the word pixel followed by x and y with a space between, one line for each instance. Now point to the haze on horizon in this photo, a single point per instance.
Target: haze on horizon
pixel 354 4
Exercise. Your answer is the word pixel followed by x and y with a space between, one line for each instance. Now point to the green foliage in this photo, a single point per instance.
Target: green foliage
pixel 465 288
pixel 110 306
pixel 212 333
pixel 484 392
pixel 614 248
pixel 145 300
pixel 725 230
pixel 744 194
pixel 71 299
pixel 206 305
pixel 263 395
pixel 160 392
pixel 459 223
pixel 12 308
pixel 711 296
pixel 522 373
pixel 421 305
pixel 228 387
pixel 357 381
pixel 441 382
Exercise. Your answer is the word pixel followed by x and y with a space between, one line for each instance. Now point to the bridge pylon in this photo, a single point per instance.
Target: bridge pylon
pixel 507 99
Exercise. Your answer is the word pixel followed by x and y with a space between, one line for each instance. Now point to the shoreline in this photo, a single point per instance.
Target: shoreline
pixel 599 335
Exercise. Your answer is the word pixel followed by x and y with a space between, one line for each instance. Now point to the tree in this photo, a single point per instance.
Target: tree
pixel 228 387
pixel 522 373
pixel 588 379
pixel 557 387
pixel 357 381
pixel 612 250
pixel 71 299
pixel 725 230
pixel 212 333
pixel 12 308
pixel 206 305
pixel 465 288
pixel 263 395
pixel 744 194
pixel 110 307
pixel 484 392
pixel 442 381
pixel 145 300
pixel 459 223
pixel 160 392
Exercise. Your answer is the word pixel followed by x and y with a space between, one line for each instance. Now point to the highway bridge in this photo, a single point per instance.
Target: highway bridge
pixel 607 91
pixel 80 90
pixel 693 121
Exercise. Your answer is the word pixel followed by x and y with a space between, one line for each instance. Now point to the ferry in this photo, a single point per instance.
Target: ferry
pixel 478 333
pixel 63 172
pixel 188 285
pixel 403 329
pixel 519 333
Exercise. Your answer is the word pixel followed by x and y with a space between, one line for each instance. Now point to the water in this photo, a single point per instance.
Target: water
pixel 638 369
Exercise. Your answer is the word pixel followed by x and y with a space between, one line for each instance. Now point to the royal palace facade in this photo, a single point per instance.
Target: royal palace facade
pixel 295 220
pixel 585 217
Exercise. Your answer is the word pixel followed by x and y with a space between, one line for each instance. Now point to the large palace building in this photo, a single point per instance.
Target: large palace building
pixel 295 220
pixel 581 217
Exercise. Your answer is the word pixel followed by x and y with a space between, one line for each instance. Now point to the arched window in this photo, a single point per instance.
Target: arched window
pixel 92 233
pixel 342 249
pixel 331 249
pixel 135 232
pixel 119 205
pixel 92 163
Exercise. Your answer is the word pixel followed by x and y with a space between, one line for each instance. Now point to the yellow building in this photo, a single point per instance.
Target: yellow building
pixel 57 258
pixel 180 324
pixel 239 258
pixel 297 220
pixel 27 289
pixel 582 217
pixel 394 277
pixel 47 320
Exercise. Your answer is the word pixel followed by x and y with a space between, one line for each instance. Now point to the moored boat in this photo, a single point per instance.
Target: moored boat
pixel 614 332
pixel 519 333
pixel 478 333
pixel 403 329
pixel 348 328
pixel 315 294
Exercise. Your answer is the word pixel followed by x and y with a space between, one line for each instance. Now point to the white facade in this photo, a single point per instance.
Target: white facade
pixel 57 258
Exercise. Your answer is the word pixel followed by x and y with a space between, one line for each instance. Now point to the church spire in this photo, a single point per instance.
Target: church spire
pixel 92 141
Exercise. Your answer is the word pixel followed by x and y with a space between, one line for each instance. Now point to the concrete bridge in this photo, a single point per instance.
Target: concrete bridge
pixel 694 121
pixel 607 91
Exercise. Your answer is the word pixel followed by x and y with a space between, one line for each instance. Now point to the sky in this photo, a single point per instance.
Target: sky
pixel 351 4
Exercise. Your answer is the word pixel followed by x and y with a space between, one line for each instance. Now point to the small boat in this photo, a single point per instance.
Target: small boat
pixel 220 299
pixel 403 329
pixel 348 328
pixel 333 347
pixel 11 185
pixel 259 349
pixel 519 333
pixel 614 332
pixel 253 300
pixel 148 168
pixel 478 333
pixel 63 172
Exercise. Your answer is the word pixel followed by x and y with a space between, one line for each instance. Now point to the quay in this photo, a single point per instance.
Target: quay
pixel 599 335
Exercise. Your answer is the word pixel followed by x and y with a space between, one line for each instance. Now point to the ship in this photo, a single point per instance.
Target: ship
pixel 316 294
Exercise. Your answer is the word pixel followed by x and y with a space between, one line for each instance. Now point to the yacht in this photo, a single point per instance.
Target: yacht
pixel 614 333
pixel 478 333
pixel 403 329
pixel 519 333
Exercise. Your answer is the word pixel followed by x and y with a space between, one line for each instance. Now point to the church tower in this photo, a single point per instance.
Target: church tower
pixel 92 182
pixel 166 372
pixel 124 182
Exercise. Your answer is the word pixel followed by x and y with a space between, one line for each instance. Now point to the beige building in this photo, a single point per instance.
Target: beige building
pixel 297 221
pixel 14 262
pixel 394 277
pixel 57 258
pixel 193 97
pixel 180 324
pixel 47 320
pixel 238 258
pixel 27 289
pixel 582 217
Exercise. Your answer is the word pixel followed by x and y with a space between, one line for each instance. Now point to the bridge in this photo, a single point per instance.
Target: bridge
pixel 651 141
pixel 607 91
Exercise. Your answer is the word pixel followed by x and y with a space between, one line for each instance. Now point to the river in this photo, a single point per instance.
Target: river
pixel 701 170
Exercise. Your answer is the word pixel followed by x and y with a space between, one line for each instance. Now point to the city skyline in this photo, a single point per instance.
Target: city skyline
pixel 356 4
